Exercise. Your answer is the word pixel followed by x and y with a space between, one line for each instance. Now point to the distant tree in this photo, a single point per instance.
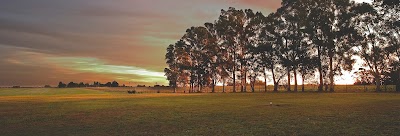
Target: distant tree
pixel 96 84
pixel 114 84
pixel 72 85
pixel 61 85
pixel 108 84
pixel 363 77
pixel 81 84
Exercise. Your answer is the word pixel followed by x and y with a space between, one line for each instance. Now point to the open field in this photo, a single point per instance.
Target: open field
pixel 103 112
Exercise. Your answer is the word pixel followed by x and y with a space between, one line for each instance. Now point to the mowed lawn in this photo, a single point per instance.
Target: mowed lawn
pixel 97 112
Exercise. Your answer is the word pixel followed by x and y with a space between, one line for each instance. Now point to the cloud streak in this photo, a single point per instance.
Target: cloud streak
pixel 93 65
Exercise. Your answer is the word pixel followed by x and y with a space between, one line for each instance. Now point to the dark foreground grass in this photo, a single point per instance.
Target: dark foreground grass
pixel 99 113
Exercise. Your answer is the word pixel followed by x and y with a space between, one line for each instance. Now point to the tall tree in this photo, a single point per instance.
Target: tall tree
pixel 172 72
pixel 391 14
pixel 332 35
pixel 231 28
pixel 290 51
pixel 183 64
pixel 372 46
pixel 199 42
pixel 270 40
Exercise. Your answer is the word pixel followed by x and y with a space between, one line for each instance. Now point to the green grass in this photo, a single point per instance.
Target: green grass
pixel 46 91
pixel 94 112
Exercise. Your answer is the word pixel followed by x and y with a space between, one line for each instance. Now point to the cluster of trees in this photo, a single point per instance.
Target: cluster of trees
pixel 81 84
pixel 365 77
pixel 302 38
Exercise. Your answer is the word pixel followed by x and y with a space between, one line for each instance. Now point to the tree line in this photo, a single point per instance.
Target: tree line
pixel 305 38
pixel 81 84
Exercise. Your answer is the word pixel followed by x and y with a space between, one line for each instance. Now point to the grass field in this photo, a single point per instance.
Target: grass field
pixel 105 112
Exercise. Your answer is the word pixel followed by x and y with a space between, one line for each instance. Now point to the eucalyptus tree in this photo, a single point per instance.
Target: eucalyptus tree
pixel 378 47
pixel 290 30
pixel 172 72
pixel 217 53
pixel 315 37
pixel 199 42
pixel 390 10
pixel 269 40
pixel 253 57
pixel 182 64
pixel 332 34
pixel 214 55
pixel 231 29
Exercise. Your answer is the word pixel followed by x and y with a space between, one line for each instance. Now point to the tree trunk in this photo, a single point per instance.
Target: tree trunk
pixel 213 86
pixel 265 80
pixel 252 82
pixel 199 90
pixel 245 80
pixel 242 76
pixel 378 83
pixel 274 80
pixel 398 81
pixel 234 81
pixel 199 83
pixel 190 87
pixel 174 89
pixel 302 80
pixel 331 85
pixel 321 79
pixel 295 80
pixel 276 87
pixel 288 84
pixel 223 86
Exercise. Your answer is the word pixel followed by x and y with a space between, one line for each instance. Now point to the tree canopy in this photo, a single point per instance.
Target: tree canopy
pixel 302 38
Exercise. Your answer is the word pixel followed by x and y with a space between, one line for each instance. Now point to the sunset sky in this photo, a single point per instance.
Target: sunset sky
pixel 47 41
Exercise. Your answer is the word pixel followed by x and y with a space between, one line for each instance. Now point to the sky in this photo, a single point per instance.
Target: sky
pixel 48 41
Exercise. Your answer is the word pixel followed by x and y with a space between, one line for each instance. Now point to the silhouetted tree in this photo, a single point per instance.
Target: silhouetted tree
pixel 230 28
pixel 300 37
pixel 269 55
pixel 172 71
pixel 391 13
pixel 108 84
pixel 61 85
pixel 72 85
pixel 81 84
pixel 114 84
pixel 363 77
pixel 373 46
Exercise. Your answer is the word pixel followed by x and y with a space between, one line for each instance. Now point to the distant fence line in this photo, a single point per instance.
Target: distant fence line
pixel 258 89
